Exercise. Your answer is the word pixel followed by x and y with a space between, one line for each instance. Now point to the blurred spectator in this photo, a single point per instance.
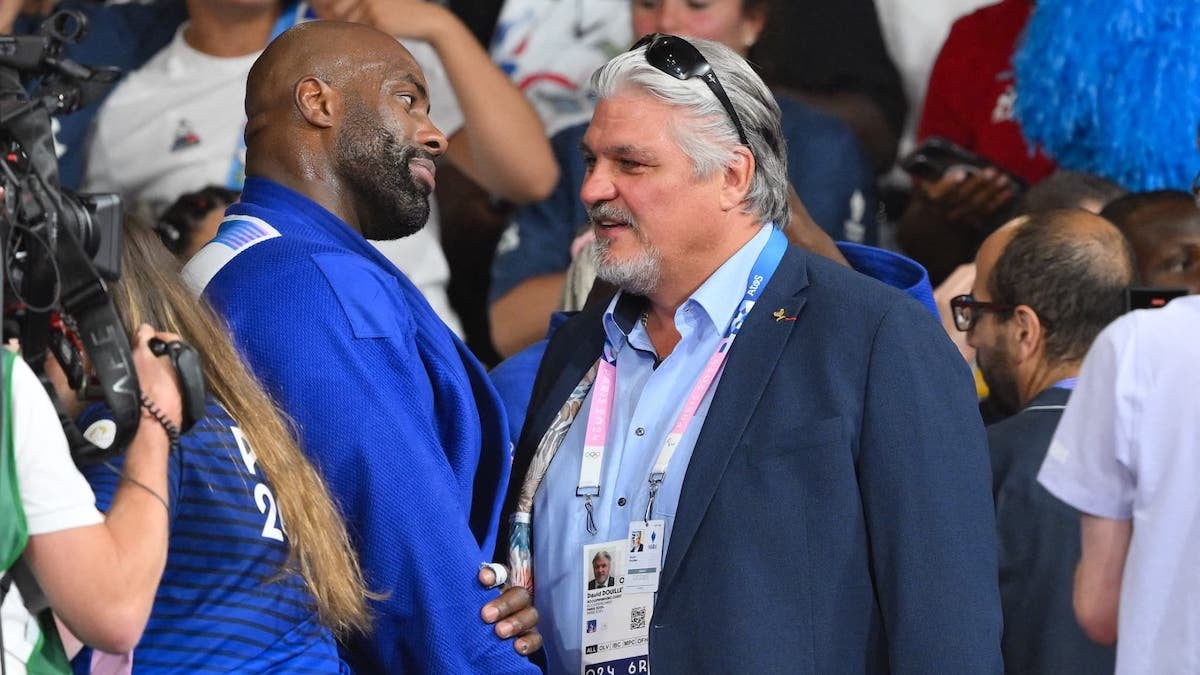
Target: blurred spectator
pixel 550 49
pixel 1046 287
pixel 913 32
pixel 832 55
pixel 1069 190
pixel 830 177
pixel 1164 228
pixel 1126 454
pixel 970 103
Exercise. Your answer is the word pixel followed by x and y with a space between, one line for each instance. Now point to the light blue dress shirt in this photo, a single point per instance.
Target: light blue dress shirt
pixel 646 405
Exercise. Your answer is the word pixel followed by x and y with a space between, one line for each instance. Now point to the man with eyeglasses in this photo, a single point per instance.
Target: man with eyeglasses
pixel 797 444
pixel 1045 286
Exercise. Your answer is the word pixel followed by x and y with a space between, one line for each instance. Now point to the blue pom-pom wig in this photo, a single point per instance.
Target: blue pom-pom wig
pixel 1112 87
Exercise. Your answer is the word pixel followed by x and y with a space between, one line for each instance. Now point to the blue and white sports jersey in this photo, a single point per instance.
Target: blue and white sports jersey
pixel 223 604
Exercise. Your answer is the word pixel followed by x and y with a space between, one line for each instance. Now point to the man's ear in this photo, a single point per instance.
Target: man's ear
pixel 1030 333
pixel 738 174
pixel 316 101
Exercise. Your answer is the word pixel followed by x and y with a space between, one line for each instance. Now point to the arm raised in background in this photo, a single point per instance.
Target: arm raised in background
pixel 502 144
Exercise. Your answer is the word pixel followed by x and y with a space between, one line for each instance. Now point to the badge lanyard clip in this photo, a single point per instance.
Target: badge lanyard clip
pixel 587 494
pixel 656 479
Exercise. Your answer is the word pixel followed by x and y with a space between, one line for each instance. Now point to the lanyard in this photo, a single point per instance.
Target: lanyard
pixel 600 413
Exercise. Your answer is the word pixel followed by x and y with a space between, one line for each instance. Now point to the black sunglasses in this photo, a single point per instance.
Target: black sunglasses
pixel 680 59
pixel 966 310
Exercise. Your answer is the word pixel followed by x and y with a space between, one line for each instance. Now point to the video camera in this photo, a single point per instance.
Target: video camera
pixel 59 248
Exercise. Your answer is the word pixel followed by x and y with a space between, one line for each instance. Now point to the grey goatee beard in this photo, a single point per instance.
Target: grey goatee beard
pixel 639 274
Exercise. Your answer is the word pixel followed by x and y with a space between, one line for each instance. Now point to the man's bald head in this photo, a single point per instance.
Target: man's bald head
pixel 344 56
pixel 1070 267
pixel 989 252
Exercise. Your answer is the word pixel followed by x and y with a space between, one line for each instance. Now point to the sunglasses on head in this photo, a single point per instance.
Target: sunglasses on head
pixel 680 59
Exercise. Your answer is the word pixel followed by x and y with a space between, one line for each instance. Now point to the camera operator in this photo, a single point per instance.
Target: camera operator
pixel 99 574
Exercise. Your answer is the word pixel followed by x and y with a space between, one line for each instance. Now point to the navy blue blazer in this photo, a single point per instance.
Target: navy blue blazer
pixel 1038 549
pixel 836 515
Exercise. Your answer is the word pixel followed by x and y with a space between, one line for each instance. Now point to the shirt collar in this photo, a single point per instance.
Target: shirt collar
pixel 718 297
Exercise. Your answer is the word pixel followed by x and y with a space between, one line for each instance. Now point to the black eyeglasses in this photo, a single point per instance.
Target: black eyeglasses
pixel 966 310
pixel 680 59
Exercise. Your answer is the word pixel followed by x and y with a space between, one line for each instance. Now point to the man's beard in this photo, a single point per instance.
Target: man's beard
pixel 375 166
pixel 638 275
pixel 999 372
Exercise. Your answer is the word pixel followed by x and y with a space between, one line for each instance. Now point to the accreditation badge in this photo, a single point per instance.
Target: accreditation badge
pixel 644 563
pixel 616 618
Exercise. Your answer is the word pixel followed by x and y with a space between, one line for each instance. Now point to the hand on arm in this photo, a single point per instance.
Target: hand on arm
pixel 513 615
pixel 1097 593
pixel 502 144
pixel 101 579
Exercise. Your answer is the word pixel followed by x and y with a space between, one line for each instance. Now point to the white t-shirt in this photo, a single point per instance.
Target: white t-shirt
pixel 54 495
pixel 175 125
pixel 53 492
pixel 550 48
pixel 1128 446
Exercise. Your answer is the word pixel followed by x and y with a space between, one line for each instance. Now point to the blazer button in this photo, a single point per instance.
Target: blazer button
pixel 621 501
pixel 640 431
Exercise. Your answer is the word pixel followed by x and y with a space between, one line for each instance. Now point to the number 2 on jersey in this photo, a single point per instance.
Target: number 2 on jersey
pixel 263 496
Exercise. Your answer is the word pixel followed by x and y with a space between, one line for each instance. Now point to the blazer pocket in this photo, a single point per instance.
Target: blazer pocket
pixel 770 444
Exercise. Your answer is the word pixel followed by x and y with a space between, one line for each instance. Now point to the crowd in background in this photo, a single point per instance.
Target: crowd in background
pixel 1069 143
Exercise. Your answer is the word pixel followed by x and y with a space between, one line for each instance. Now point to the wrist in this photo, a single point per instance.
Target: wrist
pixel 159 420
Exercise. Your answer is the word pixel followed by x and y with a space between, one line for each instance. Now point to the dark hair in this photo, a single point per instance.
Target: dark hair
pixel 177 225
pixel 1068 190
pixel 1137 210
pixel 1071 276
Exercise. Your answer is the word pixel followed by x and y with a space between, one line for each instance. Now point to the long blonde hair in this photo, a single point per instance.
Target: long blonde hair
pixel 151 291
